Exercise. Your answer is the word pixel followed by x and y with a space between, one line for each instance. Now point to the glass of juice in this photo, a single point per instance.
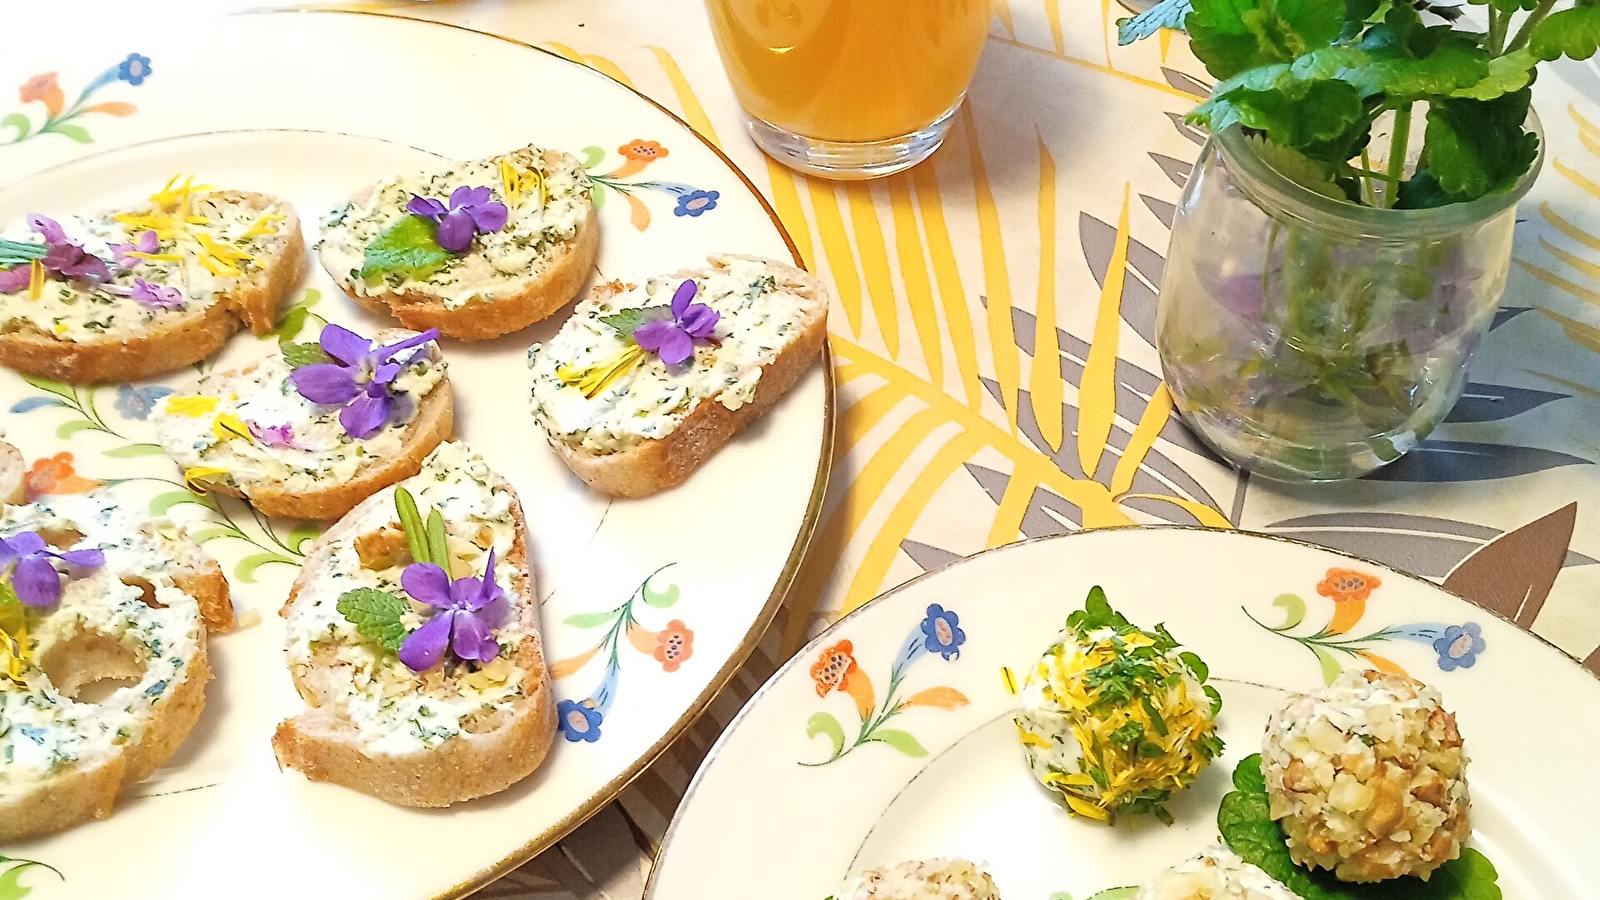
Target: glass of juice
pixel 849 89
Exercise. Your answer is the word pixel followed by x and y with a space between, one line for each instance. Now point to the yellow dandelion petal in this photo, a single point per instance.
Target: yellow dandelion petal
pixel 596 378
pixel 193 407
pixel 35 280
pixel 1086 809
pixel 195 478
pixel 267 224
pixel 1009 679
pixel 228 426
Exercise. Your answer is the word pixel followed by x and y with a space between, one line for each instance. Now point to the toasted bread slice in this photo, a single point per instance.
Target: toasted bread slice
pixel 13 474
pixel 456 731
pixel 234 256
pixel 630 430
pixel 322 472
pixel 507 279
pixel 142 616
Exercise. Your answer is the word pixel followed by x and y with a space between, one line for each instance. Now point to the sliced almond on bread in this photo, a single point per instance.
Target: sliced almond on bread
pixel 457 730
pixel 505 280
pixel 250 434
pixel 137 626
pixel 630 425
pixel 232 256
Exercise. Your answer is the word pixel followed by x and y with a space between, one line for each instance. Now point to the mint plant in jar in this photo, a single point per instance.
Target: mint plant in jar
pixel 1345 237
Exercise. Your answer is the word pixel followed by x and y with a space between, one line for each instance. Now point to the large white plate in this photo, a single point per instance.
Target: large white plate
pixel 945 775
pixel 309 106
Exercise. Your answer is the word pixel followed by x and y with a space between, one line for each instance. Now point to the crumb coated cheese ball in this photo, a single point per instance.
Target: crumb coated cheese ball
pixel 1215 873
pixel 1116 718
pixel 1367 778
pixel 931 879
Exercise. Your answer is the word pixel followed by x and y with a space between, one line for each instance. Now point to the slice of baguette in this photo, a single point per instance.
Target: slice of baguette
pixel 507 729
pixel 627 464
pixel 487 291
pixel 162 340
pixel 303 484
pixel 143 616
pixel 13 475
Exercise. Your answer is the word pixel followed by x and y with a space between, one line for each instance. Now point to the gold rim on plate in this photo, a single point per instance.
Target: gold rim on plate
pixel 791 567
pixel 828 633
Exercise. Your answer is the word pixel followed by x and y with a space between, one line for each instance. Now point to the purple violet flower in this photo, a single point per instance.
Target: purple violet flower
pixel 673 339
pixel 271 435
pixel 469 610
pixel 65 257
pixel 147 242
pixel 35 577
pixel 155 296
pixel 16 278
pixel 469 214
pixel 359 380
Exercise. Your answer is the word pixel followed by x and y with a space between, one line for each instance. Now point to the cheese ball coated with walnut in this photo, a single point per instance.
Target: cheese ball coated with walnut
pixel 1367 777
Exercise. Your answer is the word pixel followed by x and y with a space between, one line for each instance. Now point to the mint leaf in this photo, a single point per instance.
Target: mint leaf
pixel 1573 33
pixel 1478 147
pixel 1298 168
pixel 1166 14
pixel 1507 75
pixel 1301 114
pixel 1453 66
pixel 1230 36
pixel 407 248
pixel 1421 191
pixel 376 615
pixel 297 355
pixel 626 322
pixel 1248 829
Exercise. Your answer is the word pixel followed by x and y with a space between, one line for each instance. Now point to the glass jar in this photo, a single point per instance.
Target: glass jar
pixel 1310 339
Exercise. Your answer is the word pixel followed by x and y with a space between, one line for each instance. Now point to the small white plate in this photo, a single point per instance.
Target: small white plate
pixel 937 770
pixel 309 107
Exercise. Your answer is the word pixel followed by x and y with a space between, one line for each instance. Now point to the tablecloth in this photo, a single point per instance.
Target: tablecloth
pixel 992 339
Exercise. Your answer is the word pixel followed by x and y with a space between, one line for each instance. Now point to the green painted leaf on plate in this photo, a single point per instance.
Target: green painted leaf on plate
pixel 245 571
pixel 20 122
pixel 1294 611
pixel 900 740
pixel 68 429
pixel 825 723
pixel 132 451
pixel 660 599
pixel 590 620
pixel 75 132
pixel 1330 666
pixel 161 504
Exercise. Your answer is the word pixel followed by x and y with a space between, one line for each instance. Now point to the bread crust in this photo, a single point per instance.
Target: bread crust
pixel 253 302
pixel 655 465
pixel 434 424
pixel 482 320
pixel 89 789
pixel 323 747
pixel 519 304
pixel 13 475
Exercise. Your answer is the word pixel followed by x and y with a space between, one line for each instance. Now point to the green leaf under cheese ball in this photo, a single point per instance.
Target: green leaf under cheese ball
pixel 1247 827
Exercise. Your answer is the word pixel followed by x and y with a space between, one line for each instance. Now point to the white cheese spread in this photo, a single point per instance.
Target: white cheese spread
pixel 394 710
pixel 540 219
pixel 761 312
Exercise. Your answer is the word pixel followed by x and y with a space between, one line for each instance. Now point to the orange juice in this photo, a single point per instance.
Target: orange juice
pixel 849 70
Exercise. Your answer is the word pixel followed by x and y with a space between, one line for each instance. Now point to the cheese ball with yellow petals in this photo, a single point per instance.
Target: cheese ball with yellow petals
pixel 1117 719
